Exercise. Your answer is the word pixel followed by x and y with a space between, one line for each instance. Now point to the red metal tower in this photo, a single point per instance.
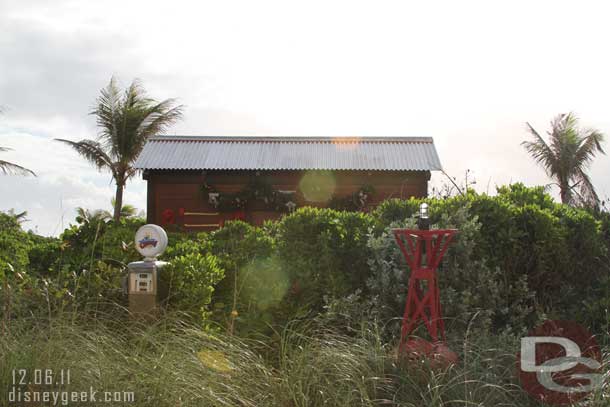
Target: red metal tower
pixel 423 250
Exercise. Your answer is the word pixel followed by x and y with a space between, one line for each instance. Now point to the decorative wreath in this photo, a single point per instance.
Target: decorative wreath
pixel 258 189
pixel 167 216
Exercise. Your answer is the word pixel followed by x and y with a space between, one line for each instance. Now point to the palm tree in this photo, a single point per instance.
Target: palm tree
pixel 8 168
pixel 126 121
pixel 567 157
pixel 85 216
pixel 127 210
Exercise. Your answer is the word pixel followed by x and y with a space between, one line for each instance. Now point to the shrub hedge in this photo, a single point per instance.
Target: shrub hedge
pixel 519 257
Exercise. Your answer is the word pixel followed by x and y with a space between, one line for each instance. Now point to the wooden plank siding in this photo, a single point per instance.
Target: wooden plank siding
pixel 181 191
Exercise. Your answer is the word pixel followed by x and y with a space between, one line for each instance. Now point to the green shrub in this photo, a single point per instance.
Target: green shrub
pixel 190 279
pixel 44 254
pixel 527 255
pixel 14 245
pixel 14 263
pixel 238 246
pixel 468 285
pixel 560 253
pixel 99 239
pixel 324 252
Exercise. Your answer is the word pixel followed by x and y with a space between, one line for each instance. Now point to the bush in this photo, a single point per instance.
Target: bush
pixel 518 256
pixel 468 285
pixel 239 248
pixel 14 245
pixel 190 279
pixel 100 239
pixel 560 253
pixel 324 252
pixel 15 278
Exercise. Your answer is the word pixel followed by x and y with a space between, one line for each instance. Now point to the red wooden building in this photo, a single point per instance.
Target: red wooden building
pixel 197 183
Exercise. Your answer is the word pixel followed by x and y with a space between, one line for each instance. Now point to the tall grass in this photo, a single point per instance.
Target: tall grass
pixel 167 362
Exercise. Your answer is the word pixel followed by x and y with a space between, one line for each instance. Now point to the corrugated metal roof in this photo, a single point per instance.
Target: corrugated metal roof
pixel 289 153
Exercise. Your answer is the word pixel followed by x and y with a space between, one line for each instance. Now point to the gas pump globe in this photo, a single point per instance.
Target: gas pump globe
pixel 150 242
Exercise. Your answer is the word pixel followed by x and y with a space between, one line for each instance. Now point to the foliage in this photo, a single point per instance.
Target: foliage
pixel 126 122
pixel 518 257
pixel 190 279
pixel 519 195
pixel 44 254
pixel 14 278
pixel 567 157
pixel 259 189
pixel 240 247
pixel 170 362
pixel 99 238
pixel 469 285
pixel 324 252
pixel 82 269
pixel 355 202
pixel 14 244
pixel 394 209
pixel 529 240
pixel 8 168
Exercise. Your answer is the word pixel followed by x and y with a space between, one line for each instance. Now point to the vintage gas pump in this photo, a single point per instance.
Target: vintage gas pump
pixel 150 242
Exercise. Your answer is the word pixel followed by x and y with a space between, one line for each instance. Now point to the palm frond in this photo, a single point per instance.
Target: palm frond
pixel 19 217
pixel 540 151
pixel 127 210
pixel 586 190
pixel 85 216
pixel 590 144
pixel 144 122
pixel 8 168
pixel 159 117
pixel 91 150
pixel 131 172
pixel 107 112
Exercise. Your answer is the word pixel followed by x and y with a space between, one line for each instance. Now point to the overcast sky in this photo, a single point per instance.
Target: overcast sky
pixel 468 73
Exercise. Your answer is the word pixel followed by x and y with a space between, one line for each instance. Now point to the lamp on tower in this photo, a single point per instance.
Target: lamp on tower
pixel 424 221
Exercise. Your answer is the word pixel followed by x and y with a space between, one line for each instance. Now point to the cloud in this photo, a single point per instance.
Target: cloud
pixel 64 182
pixel 468 74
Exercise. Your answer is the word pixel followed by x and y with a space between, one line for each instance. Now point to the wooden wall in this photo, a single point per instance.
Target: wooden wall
pixel 181 192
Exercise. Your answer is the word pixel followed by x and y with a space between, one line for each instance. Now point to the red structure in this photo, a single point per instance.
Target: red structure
pixel 423 250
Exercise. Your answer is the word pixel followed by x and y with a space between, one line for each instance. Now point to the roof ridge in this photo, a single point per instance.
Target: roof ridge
pixel 289 139
pixel 289 153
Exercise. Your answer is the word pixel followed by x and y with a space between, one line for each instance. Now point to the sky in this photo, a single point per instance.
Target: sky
pixel 468 73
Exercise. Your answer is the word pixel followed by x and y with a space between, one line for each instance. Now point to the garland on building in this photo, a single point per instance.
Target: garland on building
pixel 357 201
pixel 257 190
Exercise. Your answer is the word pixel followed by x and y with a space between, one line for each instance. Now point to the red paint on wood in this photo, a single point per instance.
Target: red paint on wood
pixel 181 191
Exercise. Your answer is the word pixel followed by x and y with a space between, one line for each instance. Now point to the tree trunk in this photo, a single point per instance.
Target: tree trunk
pixel 564 193
pixel 118 201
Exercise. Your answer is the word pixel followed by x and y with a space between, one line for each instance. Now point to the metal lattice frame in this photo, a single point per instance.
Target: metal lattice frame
pixel 423 251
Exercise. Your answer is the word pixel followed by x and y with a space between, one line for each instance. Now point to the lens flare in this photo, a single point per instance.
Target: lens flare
pixel 265 283
pixel 215 360
pixel 346 143
pixel 318 186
